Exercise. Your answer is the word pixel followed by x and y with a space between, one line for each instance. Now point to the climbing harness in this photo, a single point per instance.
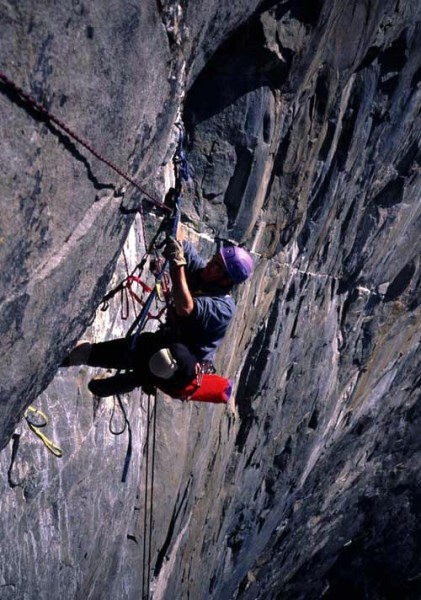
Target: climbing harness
pixel 48 116
pixel 36 420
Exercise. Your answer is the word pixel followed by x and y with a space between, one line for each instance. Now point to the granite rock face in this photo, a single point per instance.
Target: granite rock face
pixel 303 131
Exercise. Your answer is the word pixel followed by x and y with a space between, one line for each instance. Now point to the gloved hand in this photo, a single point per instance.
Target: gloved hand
pixel 174 252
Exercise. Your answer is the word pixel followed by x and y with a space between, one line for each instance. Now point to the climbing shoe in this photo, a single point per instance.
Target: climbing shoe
pixel 122 383
pixel 79 355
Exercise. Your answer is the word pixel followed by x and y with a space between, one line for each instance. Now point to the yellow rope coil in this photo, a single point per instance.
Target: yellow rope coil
pixel 35 428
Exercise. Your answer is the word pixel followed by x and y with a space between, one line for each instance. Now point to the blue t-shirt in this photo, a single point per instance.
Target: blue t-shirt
pixel 204 329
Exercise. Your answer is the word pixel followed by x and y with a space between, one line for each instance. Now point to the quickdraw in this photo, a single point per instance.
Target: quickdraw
pixel 127 293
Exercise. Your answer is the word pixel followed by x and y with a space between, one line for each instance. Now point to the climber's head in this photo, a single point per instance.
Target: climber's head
pixel 238 263
pixel 230 265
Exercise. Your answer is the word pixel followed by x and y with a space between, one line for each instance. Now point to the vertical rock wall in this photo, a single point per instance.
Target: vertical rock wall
pixel 62 222
pixel 303 142
pixel 304 132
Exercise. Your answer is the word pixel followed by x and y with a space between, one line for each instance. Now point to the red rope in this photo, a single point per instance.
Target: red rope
pixel 124 292
pixel 78 139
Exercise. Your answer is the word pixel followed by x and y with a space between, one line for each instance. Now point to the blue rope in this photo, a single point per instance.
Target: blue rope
pixel 182 173
pixel 143 316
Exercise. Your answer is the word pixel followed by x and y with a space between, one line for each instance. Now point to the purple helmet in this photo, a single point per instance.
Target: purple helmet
pixel 238 262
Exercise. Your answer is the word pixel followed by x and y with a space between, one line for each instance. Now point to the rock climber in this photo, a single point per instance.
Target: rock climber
pixel 202 308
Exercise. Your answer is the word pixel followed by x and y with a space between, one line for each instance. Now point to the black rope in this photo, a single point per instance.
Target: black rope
pixel 150 453
pixel 15 448
pixel 127 426
pixel 110 426
pixel 145 580
pixel 152 490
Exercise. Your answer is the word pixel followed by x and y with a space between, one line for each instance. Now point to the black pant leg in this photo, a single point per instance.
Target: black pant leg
pixel 186 361
pixel 120 354
pixel 122 383
pixel 114 354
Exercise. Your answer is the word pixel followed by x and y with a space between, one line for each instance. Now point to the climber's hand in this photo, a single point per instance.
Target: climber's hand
pixel 174 252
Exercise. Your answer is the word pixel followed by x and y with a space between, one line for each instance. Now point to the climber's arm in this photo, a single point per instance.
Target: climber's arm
pixel 183 300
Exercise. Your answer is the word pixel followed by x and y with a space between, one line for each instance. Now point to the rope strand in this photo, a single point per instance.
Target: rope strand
pixel 152 490
pixel 145 569
pixel 40 108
